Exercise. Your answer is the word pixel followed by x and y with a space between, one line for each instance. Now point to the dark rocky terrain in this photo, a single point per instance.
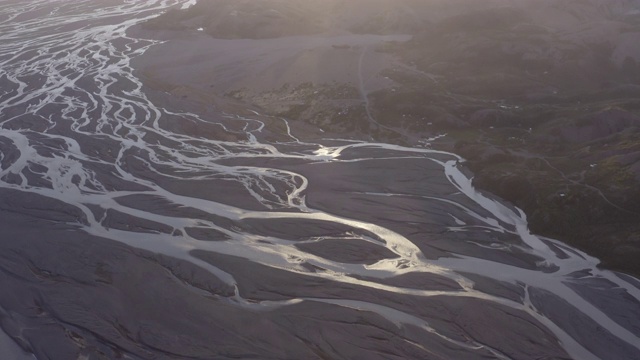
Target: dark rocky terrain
pixel 541 97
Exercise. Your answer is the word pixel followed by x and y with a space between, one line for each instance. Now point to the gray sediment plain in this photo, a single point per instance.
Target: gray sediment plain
pixel 148 215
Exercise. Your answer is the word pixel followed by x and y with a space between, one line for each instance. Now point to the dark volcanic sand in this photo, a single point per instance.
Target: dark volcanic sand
pixel 155 226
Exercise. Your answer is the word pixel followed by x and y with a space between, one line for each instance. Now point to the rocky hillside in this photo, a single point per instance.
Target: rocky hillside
pixel 544 102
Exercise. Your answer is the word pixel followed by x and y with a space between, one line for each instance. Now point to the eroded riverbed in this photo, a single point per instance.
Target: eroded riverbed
pixel 134 230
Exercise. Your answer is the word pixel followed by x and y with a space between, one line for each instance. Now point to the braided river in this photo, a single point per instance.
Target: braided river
pixel 134 229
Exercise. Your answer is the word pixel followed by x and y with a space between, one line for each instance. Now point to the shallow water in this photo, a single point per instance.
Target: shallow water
pixel 395 236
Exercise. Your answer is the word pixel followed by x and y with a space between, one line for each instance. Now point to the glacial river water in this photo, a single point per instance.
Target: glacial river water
pixel 370 250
